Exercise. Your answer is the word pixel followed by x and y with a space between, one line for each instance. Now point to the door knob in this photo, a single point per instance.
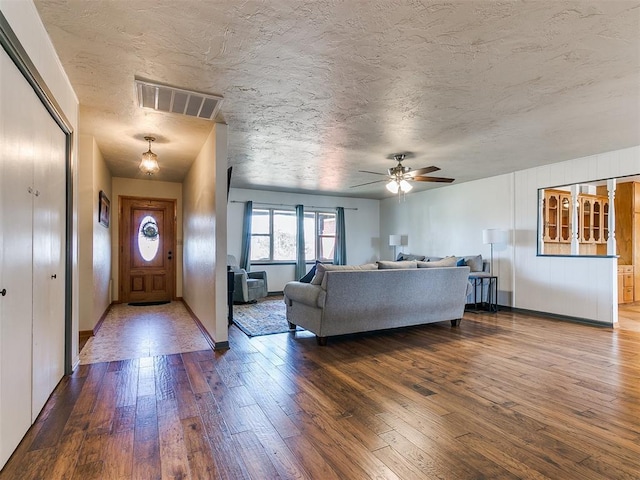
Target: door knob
pixel 3 292
pixel 54 276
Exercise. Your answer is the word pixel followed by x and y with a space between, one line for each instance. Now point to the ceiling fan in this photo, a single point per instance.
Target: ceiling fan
pixel 400 176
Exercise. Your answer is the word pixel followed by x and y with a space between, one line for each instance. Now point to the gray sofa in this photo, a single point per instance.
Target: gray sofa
pixel 478 268
pixel 352 301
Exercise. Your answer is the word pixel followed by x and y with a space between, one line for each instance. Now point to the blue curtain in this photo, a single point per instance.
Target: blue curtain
pixel 340 250
pixel 245 254
pixel 301 267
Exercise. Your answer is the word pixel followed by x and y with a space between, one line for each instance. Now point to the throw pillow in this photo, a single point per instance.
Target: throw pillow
pixel 409 256
pixel 310 274
pixel 445 262
pixel 390 265
pixel 461 263
pixel 317 278
pixel 345 268
pixel 474 263
pixel 321 268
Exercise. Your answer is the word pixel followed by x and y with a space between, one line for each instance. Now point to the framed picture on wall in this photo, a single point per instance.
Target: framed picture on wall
pixel 104 207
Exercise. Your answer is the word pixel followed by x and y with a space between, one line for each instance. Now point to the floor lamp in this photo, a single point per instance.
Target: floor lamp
pixel 493 236
pixel 395 241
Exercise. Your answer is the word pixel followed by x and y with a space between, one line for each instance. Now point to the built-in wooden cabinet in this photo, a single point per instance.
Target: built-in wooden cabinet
pixel 625 283
pixel 557 216
pixel 627 208
pixel 593 222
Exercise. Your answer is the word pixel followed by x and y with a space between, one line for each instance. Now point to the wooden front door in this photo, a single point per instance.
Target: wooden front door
pixel 147 248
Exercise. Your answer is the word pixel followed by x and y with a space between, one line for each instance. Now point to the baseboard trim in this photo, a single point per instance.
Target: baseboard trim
pixel 101 320
pixel 85 334
pixel 207 336
pixel 555 316
pixel 76 364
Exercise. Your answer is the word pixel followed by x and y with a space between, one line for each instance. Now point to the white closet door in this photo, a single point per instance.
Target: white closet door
pixel 48 259
pixel 16 176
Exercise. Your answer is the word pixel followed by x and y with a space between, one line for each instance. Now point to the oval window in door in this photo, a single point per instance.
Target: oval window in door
pixel 148 236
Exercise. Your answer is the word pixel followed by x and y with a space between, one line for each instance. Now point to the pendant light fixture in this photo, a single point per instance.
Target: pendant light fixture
pixel 149 162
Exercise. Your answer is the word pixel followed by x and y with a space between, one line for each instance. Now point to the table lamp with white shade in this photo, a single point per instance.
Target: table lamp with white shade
pixel 395 241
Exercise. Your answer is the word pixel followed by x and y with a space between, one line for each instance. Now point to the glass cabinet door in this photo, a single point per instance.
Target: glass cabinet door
pixel 597 221
pixel 605 221
pixel 565 218
pixel 586 214
pixel 551 202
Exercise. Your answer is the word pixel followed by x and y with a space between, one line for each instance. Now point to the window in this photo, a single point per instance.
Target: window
pixel 273 235
pixel 148 238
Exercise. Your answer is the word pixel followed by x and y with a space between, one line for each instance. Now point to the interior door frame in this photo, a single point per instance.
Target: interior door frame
pixel 11 44
pixel 121 241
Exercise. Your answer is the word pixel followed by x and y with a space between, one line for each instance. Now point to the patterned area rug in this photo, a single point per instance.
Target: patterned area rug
pixel 266 317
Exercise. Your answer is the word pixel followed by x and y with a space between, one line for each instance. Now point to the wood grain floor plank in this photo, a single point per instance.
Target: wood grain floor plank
pixel 196 377
pixel 228 463
pixel 173 451
pixel 199 453
pixel 127 383
pixel 255 457
pixel 504 395
pixel 310 459
pixel 146 448
pixel 275 448
pixel 90 388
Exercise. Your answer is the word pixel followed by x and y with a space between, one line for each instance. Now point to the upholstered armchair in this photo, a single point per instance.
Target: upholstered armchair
pixel 248 286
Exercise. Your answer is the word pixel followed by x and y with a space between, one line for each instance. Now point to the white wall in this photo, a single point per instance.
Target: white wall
pixel 205 280
pixel 85 232
pixel 450 220
pixel 129 187
pixel 102 181
pixel 94 240
pixel 362 225
pixel 23 18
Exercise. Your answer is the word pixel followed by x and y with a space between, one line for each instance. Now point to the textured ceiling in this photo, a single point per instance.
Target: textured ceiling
pixel 315 91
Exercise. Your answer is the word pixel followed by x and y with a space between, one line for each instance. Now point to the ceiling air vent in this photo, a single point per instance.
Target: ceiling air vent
pixel 176 100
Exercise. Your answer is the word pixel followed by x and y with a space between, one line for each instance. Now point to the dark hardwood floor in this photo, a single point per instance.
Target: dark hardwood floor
pixel 502 396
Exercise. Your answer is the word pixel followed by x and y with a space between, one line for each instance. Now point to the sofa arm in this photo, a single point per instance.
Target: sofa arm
pixel 259 276
pixel 240 284
pixel 311 295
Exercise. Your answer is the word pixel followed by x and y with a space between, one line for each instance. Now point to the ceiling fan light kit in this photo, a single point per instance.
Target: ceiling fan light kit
pixel 400 176
pixel 149 162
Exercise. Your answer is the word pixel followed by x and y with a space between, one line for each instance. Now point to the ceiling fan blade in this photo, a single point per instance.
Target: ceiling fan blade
pixel 375 173
pixel 433 179
pixel 368 183
pixel 423 171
